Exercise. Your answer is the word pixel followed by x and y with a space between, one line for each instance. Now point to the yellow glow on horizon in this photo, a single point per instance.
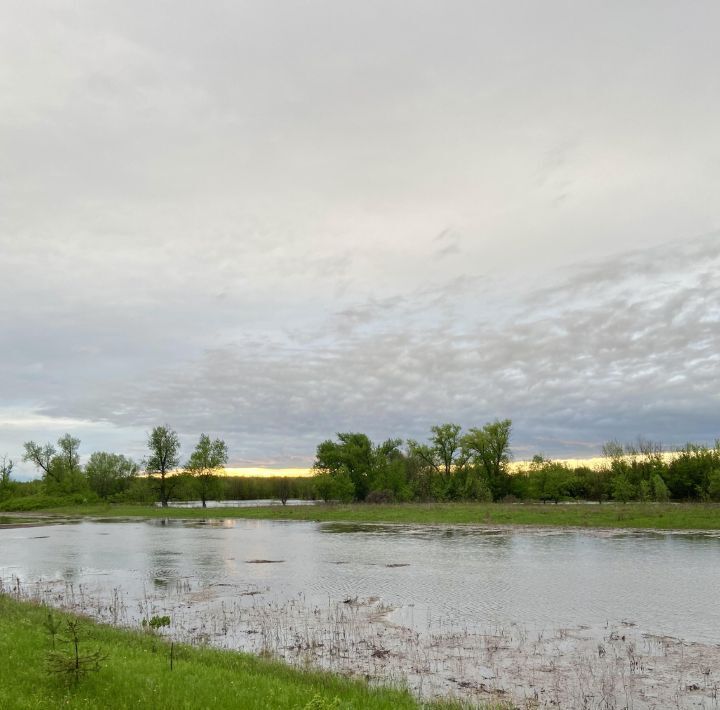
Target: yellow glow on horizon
pixel 261 472
pixel 595 462
pixel 253 471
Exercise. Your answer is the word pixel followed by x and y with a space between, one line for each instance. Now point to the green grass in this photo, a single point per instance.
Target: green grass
pixel 136 674
pixel 663 516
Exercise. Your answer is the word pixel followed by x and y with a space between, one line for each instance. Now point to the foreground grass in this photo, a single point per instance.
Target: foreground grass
pixel 136 674
pixel 667 516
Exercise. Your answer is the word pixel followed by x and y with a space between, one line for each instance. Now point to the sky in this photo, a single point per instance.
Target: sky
pixel 274 221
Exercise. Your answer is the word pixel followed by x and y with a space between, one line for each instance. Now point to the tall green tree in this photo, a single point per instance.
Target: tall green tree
pixel 164 458
pixel 444 452
pixel 489 449
pixel 205 463
pixel 348 460
pixel 389 479
pixel 69 454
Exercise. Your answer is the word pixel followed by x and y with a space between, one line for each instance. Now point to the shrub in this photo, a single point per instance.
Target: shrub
pixel 713 490
pixel 380 497
pixel 661 492
pixel 41 502
pixel 622 489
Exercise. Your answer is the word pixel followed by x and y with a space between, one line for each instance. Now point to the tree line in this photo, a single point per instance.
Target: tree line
pixel 475 465
pixel 116 477
pixel 450 465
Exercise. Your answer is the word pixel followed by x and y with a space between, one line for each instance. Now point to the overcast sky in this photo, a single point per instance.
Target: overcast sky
pixel 272 221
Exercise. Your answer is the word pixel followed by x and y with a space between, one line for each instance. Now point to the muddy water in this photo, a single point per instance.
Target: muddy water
pixel 293 586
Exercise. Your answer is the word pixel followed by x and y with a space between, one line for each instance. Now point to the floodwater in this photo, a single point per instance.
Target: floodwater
pixel 398 595
pixel 251 503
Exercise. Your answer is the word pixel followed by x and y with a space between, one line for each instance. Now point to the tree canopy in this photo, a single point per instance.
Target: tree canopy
pixel 206 462
pixel 164 458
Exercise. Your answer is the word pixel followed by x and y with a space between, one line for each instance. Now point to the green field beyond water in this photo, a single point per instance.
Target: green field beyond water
pixel 662 516
pixel 136 673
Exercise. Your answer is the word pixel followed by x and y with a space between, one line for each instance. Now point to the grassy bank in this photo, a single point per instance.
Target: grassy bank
pixel 136 673
pixel 666 516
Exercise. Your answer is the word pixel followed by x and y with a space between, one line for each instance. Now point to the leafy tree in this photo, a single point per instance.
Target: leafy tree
pixel 68 453
pixel 164 458
pixel 208 459
pixel 557 482
pixel 6 468
pixel 713 488
pixel 419 476
pixel 353 456
pixel 596 483
pixel 549 480
pixel 68 462
pixel 109 474
pixel 60 467
pixel 140 489
pixel 389 472
pixel 489 449
pixel 622 489
pixel 335 486
pixel 475 487
pixel 688 474
pixel 41 457
pixel 283 489
pixel 444 452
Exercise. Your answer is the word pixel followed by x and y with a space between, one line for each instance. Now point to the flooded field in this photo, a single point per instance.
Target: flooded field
pixel 541 617
pixel 253 503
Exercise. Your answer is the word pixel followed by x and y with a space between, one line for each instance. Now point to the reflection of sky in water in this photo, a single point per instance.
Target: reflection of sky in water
pixel 666 583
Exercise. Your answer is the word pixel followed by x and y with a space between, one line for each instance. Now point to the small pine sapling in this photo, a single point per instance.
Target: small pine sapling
pixel 72 665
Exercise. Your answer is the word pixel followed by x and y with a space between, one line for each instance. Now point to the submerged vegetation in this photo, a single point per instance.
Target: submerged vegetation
pixel 612 664
pixel 451 466
pixel 133 670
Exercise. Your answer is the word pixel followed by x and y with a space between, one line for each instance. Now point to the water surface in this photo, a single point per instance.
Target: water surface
pixel 432 577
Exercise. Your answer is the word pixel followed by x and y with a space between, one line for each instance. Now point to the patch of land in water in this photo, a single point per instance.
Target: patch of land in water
pixel 656 516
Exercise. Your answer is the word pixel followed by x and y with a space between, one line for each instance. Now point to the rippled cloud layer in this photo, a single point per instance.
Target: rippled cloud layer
pixel 276 221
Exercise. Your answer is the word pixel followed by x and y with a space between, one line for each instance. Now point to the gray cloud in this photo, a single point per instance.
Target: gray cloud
pixel 280 220
pixel 637 358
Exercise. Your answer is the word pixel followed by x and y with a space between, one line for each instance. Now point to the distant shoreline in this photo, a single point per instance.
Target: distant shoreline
pixel 636 516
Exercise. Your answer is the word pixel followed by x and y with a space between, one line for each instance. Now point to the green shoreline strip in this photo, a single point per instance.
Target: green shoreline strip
pixel 136 673
pixel 660 516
